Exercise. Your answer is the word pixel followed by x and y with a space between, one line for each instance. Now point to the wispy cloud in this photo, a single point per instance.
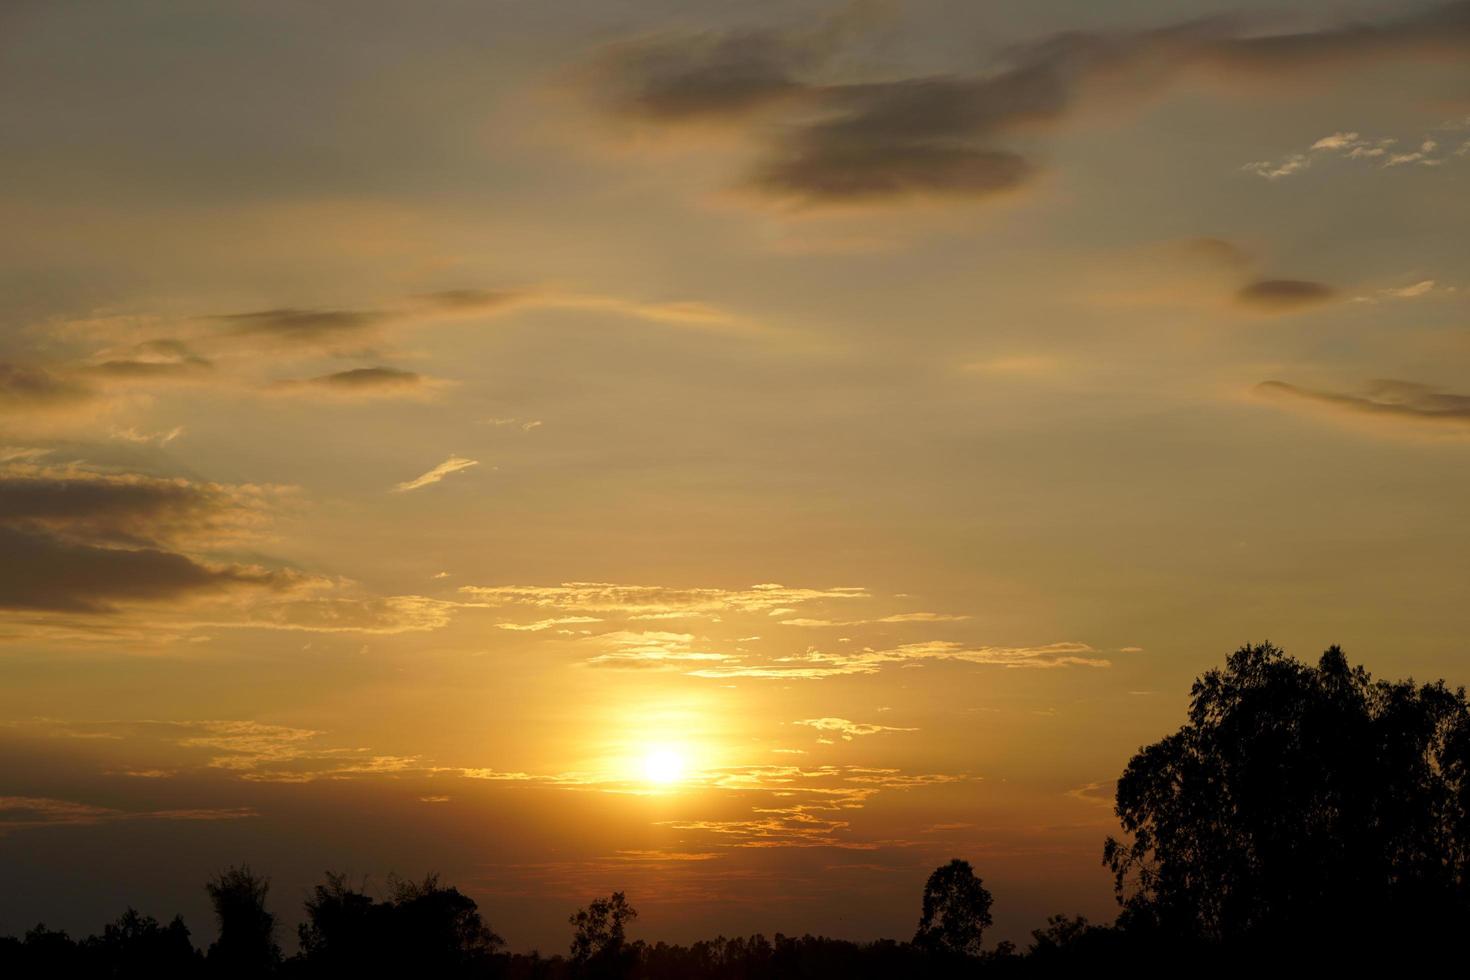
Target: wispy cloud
pixel 650 601
pixel 849 729
pixel 1379 152
pixel 1397 407
pixel 453 464
pixel 28 812
pixel 816 664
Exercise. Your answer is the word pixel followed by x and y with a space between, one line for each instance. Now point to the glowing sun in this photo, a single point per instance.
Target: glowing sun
pixel 663 765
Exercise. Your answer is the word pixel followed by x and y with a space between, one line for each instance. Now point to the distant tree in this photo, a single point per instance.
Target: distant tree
pixel 246 946
pixel 424 929
pixel 1300 804
pixel 138 947
pixel 342 933
pixel 599 943
pixel 50 952
pixel 956 911
pixel 440 930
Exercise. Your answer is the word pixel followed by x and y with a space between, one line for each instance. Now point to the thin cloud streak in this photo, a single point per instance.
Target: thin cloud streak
pixel 454 464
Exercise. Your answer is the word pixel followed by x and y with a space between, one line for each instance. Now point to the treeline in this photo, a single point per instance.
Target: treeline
pixel 1304 817
pixel 426 929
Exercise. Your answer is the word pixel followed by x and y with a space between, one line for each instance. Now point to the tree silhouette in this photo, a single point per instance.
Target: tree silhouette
pixel 424 929
pixel 438 930
pixel 138 947
pixel 246 946
pixel 956 911
pixel 1295 803
pixel 598 946
pixel 342 934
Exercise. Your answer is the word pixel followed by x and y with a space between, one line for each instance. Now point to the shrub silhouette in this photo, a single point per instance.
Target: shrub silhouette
pixel 1297 805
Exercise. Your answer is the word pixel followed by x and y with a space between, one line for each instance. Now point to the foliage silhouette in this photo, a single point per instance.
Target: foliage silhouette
pixel 956 911
pixel 599 944
pixel 1295 802
pixel 246 946
pixel 423 929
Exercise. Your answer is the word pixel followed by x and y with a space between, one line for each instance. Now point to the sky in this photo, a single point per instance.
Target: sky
pixel 744 455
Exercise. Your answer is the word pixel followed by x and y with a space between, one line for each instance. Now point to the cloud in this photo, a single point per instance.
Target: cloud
pixel 706 76
pixel 298 326
pixel 1351 146
pixel 451 465
pixel 367 382
pixel 382 615
pixel 43 572
pixel 27 812
pixel 29 389
pixel 155 360
pixel 816 665
pixel 1411 292
pixel 910 617
pixel 83 541
pixel 655 601
pixel 877 141
pixel 128 508
pixel 525 425
pixel 1399 406
pixel 1284 295
pixel 473 301
pixel 848 729
pixel 652 649
pixel 541 625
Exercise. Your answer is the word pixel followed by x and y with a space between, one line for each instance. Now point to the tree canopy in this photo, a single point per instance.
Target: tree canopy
pixel 1295 801
pixel 956 911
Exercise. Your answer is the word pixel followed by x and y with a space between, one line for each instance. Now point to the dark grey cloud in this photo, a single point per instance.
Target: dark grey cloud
pixel 25 389
pixel 80 541
pixel 154 360
pixel 368 382
pixel 712 75
pixel 1284 295
pixel 46 573
pixel 474 300
pixel 124 509
pixel 946 135
pixel 305 326
pixel 369 379
pixel 1406 405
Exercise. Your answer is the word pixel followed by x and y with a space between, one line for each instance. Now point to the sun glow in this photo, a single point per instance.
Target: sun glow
pixel 663 765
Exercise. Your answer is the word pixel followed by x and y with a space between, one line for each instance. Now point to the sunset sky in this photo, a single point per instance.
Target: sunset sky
pixel 743 454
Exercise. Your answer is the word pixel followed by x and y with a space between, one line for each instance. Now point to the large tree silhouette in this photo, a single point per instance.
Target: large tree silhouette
pixel 1300 803
pixel 246 946
pixel 956 911
pixel 425 929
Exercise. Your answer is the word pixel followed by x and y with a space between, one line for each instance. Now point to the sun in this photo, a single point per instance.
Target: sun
pixel 663 765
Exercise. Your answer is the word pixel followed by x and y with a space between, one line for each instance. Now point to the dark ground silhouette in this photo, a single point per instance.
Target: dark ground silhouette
pixel 1304 817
